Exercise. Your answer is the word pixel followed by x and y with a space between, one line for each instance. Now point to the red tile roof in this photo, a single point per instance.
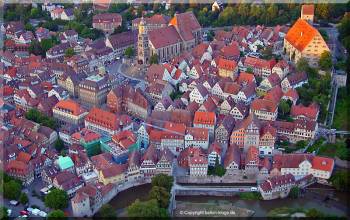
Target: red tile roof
pixel 124 139
pixel 252 155
pixel 307 9
pixel 86 134
pixel 186 23
pixel 163 37
pixel 24 157
pixel 114 170
pixel 106 119
pixel 199 134
pixel 323 163
pixel 70 106
pixel 263 105
pixel 245 77
pixel 277 181
pixel 208 118
pixel 292 93
pixel 310 112
pixel 106 18
pixel 227 64
pixel 231 50
pixel 301 34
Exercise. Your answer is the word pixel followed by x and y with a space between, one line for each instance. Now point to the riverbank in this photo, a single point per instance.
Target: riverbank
pixel 313 198
pixel 261 208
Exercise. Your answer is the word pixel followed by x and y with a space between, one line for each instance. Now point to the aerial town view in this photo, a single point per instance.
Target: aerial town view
pixel 165 109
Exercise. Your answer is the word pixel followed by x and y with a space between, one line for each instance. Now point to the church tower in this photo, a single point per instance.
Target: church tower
pixel 142 45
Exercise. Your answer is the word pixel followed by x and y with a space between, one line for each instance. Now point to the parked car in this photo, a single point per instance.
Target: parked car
pixel 14 202
pixel 24 212
pixel 42 214
pixel 9 212
pixel 36 211
pixel 253 189
pixel 30 210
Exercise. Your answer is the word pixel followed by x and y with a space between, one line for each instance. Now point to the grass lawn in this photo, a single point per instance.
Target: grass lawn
pixel 250 196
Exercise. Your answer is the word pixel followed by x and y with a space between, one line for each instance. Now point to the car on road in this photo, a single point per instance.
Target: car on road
pixel 24 212
pixel 36 211
pixel 9 212
pixel 241 190
pixel 253 189
pixel 14 202
pixel 42 214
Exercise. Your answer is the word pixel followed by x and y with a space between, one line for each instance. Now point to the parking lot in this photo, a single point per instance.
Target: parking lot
pixel 34 200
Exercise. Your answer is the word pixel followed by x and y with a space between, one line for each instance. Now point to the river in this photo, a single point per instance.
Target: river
pixel 313 198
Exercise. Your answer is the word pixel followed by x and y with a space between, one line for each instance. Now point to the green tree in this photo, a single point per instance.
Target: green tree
pixel 153 59
pixel 107 211
pixel 284 107
pixel 47 44
pixel 117 7
pixel 324 34
pixel 322 10
pixel 163 180
pixel 69 52
pixel 29 27
pixel 3 213
pixel 302 65
pixel 341 180
pixel 36 116
pixel 35 13
pixel 59 145
pixel 12 189
pixel 325 62
pixel 294 192
pixel 129 52
pixel 161 195
pixel 147 209
pixel 301 144
pixel 56 199
pixel 23 198
pixel 56 214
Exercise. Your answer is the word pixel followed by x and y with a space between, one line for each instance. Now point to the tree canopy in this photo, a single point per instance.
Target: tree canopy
pixel 341 180
pixel 163 180
pixel 69 52
pixel 36 116
pixel 153 59
pixel 294 192
pixel 129 52
pixel 23 198
pixel 161 195
pixel 3 213
pixel 107 211
pixel 56 214
pixel 12 189
pixel 325 62
pixel 56 199
pixel 147 209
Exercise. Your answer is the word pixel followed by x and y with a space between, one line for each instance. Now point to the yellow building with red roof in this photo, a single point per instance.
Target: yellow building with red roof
pixel 303 40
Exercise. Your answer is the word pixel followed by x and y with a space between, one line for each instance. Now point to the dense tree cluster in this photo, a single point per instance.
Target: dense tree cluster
pixel 38 117
pixel 159 198
pixel 56 199
pixel 318 88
